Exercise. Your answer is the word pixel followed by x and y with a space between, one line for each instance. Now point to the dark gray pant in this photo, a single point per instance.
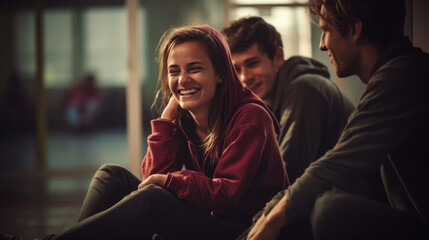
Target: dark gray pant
pixel 115 209
pixel 339 215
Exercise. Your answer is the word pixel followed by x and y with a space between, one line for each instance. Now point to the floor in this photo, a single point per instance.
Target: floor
pixel 34 202
pixel 34 210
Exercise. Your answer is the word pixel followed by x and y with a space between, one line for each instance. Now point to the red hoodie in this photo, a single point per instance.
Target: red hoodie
pixel 250 170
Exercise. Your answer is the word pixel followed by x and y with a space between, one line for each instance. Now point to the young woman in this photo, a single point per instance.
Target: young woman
pixel 222 134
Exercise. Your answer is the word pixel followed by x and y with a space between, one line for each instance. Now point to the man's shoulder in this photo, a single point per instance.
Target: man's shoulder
pixel 408 61
pixel 298 65
pixel 312 90
pixel 307 85
pixel 299 71
pixel 410 66
pixel 402 77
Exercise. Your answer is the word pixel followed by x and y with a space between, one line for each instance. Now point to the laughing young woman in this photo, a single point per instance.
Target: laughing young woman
pixel 222 134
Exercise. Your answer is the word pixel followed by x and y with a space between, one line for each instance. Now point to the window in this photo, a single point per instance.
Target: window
pixel 76 43
pixel 105 44
pixel 58 46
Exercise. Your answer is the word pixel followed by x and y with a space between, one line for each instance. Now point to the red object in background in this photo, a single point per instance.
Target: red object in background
pixel 82 102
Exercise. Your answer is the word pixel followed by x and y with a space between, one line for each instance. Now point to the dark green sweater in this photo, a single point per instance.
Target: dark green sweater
pixel 389 131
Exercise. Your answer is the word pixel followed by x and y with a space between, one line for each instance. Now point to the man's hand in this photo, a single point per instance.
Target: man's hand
pixel 269 227
pixel 157 179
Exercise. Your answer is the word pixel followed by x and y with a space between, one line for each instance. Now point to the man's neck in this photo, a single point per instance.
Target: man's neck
pixel 369 57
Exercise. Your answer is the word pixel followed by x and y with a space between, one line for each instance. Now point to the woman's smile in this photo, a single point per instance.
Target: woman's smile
pixel 191 91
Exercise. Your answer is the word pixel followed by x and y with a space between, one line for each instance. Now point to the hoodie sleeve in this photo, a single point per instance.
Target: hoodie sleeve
pixel 162 152
pixel 245 147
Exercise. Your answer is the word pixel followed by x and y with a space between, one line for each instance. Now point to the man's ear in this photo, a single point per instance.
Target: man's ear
pixel 279 57
pixel 356 30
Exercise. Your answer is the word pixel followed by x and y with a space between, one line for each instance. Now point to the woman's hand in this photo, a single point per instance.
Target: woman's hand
pixel 171 111
pixel 157 179
pixel 269 227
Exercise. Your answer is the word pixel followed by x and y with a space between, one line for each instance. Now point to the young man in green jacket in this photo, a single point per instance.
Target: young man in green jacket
pixel 388 132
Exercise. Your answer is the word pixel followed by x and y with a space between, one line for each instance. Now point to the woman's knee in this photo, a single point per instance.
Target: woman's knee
pixel 111 168
pixel 154 193
pixel 151 198
pixel 110 171
pixel 115 176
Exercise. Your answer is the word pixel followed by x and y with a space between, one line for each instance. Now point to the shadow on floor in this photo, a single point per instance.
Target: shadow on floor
pixel 34 205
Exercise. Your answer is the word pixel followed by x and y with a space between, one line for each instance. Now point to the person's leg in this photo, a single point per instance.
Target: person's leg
pixel 174 218
pixel 142 213
pixel 340 215
pixel 108 186
pixel 299 229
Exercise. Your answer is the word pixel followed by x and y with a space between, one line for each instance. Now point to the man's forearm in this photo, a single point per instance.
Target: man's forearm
pixel 269 226
pixel 277 216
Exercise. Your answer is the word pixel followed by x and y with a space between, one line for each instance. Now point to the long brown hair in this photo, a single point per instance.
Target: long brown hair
pixel 217 117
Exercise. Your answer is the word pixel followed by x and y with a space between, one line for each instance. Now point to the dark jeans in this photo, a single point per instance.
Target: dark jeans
pixel 338 215
pixel 115 209
pixel 341 215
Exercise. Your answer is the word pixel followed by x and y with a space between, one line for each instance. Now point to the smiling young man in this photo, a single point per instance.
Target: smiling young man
pixel 310 108
pixel 388 132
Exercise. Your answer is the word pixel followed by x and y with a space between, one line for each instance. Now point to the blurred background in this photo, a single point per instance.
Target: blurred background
pixel 77 79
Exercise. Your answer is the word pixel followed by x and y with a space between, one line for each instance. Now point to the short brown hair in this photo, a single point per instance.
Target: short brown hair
pixel 244 32
pixel 382 20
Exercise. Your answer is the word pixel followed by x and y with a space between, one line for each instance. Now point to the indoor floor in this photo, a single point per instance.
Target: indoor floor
pixel 34 203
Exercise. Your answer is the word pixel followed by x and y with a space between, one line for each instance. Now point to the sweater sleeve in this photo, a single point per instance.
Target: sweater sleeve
pixel 162 152
pixel 238 164
pixel 387 116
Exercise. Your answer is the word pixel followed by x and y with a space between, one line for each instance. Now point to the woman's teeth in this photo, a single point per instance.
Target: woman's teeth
pixel 188 91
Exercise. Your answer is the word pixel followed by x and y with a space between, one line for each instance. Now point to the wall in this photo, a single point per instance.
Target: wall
pixel 420 23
